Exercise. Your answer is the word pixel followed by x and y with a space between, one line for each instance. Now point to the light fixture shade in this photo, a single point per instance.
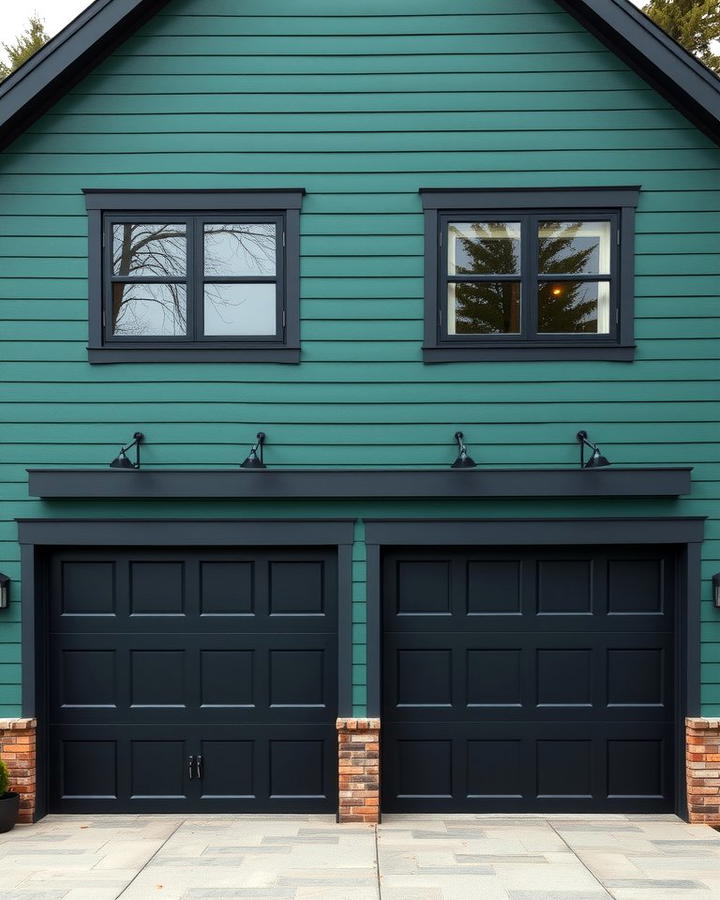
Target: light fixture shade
pixel 716 589
pixel 122 461
pixel 253 461
pixel 4 591
pixel 464 461
pixel 597 460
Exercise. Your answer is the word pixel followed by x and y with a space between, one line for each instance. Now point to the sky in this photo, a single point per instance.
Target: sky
pixel 56 13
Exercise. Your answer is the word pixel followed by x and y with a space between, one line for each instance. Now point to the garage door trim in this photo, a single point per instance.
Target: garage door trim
pixel 686 533
pixel 37 535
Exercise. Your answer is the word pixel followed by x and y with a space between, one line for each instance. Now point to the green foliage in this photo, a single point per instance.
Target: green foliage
pixel 4 778
pixel 693 23
pixel 29 42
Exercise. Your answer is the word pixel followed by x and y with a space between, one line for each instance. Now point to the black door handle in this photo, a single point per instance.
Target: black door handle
pixel 191 769
pixel 198 767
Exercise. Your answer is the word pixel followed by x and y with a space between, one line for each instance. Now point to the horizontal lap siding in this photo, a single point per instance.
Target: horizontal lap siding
pixel 360 107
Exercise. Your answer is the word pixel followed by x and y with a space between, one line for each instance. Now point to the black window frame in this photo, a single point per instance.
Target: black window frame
pixel 195 209
pixel 529 207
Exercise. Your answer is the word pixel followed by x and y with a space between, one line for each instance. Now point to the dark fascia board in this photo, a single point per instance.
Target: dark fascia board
pixel 185 532
pixel 525 198
pixel 655 56
pixel 547 531
pixel 51 72
pixel 268 483
pixel 216 200
pixel 54 69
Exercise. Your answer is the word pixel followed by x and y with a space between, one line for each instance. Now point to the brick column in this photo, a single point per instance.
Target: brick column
pixel 359 770
pixel 703 770
pixel 18 750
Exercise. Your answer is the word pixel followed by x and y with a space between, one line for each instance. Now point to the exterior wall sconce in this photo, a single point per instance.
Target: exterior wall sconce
pixel 122 461
pixel 716 590
pixel 253 460
pixel 4 591
pixel 597 460
pixel 463 461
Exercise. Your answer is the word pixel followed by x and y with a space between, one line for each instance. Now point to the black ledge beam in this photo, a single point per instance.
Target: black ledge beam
pixel 269 483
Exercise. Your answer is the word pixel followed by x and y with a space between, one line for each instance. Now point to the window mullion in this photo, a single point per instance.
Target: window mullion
pixel 196 280
pixel 530 277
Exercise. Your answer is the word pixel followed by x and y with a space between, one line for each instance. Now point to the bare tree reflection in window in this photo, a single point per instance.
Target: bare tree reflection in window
pixel 244 251
pixel 154 257
pixel 149 251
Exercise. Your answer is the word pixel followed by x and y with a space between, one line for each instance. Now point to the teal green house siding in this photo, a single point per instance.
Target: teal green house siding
pixel 362 107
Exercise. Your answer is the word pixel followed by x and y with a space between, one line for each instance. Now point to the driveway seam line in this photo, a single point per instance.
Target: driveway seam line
pixel 377 863
pixel 149 860
pixel 581 861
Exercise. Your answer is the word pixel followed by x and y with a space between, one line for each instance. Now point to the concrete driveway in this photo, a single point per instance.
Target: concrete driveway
pixel 405 858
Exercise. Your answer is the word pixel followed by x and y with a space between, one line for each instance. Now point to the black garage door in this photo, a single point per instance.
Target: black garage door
pixel 520 680
pixel 193 681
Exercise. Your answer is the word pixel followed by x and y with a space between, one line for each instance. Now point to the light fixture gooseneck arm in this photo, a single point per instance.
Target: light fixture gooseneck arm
pixel 582 437
pixel 258 448
pixel 138 438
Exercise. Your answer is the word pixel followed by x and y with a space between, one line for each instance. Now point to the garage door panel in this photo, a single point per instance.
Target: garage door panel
pixel 229 658
pixel 528 676
pixel 509 767
pixel 272 769
pixel 548 684
pixel 148 678
pixel 137 591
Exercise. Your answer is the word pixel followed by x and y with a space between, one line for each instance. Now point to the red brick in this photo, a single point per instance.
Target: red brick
pixel 358 778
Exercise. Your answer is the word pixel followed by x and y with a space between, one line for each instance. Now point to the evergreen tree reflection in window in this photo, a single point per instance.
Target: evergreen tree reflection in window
pixel 490 253
pixel 567 305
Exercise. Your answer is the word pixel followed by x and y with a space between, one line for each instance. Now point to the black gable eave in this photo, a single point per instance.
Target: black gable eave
pixel 664 64
pixel 51 72
pixel 26 94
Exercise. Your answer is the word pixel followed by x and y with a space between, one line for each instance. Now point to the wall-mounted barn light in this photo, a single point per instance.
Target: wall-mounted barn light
pixel 597 460
pixel 4 591
pixel 463 461
pixel 255 461
pixel 122 461
pixel 716 589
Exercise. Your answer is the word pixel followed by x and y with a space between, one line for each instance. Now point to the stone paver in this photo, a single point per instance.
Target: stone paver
pixel 405 858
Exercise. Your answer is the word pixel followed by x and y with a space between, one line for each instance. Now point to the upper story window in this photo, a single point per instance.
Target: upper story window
pixel 194 275
pixel 533 274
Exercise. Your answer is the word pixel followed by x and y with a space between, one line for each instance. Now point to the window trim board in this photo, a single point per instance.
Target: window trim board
pixel 284 202
pixel 620 200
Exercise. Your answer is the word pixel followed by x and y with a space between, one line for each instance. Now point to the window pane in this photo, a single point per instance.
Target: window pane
pixel 240 309
pixel 237 249
pixel 574 248
pixel 149 251
pixel 488 307
pixel 484 248
pixel 148 310
pixel 574 307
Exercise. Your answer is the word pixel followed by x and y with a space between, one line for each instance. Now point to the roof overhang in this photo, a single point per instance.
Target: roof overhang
pixel 65 59
pixel 71 54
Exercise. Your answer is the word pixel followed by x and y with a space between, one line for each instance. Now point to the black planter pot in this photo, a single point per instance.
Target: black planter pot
pixel 9 806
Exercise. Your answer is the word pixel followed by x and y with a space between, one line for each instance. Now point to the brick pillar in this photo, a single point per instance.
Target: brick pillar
pixel 703 770
pixel 359 770
pixel 18 750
